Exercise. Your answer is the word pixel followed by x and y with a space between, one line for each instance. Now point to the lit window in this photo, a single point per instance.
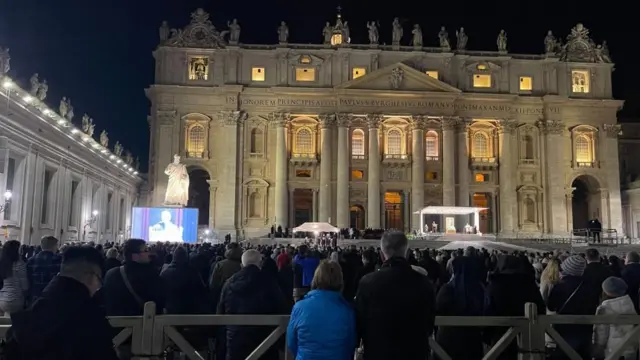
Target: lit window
pixel 257 74
pixel 357 144
pixel 336 39
pixel 480 145
pixel 526 83
pixel 196 141
pixel 357 72
pixel 305 59
pixel 431 176
pixel 482 81
pixel 305 74
pixel 481 67
pixel 580 81
pixel 199 68
pixel 304 141
pixel 357 175
pixel 431 145
pixel 583 149
pixel 432 73
pixel 480 177
pixel 394 142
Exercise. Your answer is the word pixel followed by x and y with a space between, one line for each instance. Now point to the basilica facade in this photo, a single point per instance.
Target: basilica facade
pixel 366 135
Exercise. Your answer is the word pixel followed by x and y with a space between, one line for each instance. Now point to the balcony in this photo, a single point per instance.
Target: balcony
pixel 397 160
pixel 358 157
pixel 432 158
pixel 528 162
pixel 586 164
pixel 484 163
pixel 304 159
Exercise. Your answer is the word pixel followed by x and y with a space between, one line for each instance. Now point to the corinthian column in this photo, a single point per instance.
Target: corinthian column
pixel 279 120
pixel 373 181
pixel 463 162
pixel 508 201
pixel 555 193
pixel 611 165
pixel 326 125
pixel 449 161
pixel 417 170
pixel 342 199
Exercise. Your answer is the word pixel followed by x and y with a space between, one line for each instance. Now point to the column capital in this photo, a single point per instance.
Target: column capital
pixel 326 120
pixel 507 126
pixel 462 125
pixel 551 127
pixel 419 122
pixel 612 130
pixel 344 119
pixel 374 120
pixel 233 117
pixel 449 122
pixel 279 119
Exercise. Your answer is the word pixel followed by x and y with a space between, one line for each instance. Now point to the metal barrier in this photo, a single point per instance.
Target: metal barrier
pixel 151 334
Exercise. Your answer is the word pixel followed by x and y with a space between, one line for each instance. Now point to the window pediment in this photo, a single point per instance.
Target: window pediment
pixel 255 183
pixel 196 117
pixel 584 129
pixel 483 67
pixel 305 60
pixel 257 121
pixel 529 189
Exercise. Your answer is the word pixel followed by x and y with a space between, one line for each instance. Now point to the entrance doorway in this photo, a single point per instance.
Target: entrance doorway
pixel 393 210
pixel 302 206
pixel 585 201
pixel 357 217
pixel 483 200
pixel 199 193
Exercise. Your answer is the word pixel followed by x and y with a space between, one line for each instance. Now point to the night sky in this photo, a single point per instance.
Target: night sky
pixel 98 53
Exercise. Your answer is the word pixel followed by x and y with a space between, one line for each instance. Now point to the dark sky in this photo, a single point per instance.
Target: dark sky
pixel 99 52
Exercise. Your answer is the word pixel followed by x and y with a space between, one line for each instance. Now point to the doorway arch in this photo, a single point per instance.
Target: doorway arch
pixel 585 201
pixel 356 215
pixel 199 193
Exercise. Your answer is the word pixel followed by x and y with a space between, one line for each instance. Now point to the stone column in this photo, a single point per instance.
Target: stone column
pixel 342 198
pixel 326 126
pixel 448 161
pixel 279 120
pixel 463 162
pixel 417 170
pixel 373 179
pixel 315 205
pixel 555 192
pixel 508 201
pixel 406 209
pixel 610 163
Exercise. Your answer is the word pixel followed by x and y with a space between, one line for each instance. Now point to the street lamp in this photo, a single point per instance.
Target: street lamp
pixel 7 201
pixel 89 222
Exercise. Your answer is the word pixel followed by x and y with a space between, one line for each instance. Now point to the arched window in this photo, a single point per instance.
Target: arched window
pixel 527 147
pixel 394 142
pixel 304 141
pixel 254 205
pixel 256 146
pixel 357 144
pixel 196 141
pixel 480 145
pixel 530 210
pixel 583 149
pixel 431 145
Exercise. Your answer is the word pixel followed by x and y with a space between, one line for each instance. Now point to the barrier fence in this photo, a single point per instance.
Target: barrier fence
pixel 152 334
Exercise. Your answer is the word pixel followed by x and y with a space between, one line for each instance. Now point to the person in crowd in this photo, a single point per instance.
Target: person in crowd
pixel 63 323
pixel 15 284
pixel 595 273
pixel 631 276
pixel 616 265
pixel 549 278
pixel 223 270
pixel 251 292
pixel 322 325
pixel 286 281
pixel 185 293
pixel 308 262
pixel 269 265
pixel 510 287
pixel 42 267
pixel 395 306
pixel 368 259
pixel 351 264
pixel 112 260
pixel 608 337
pixel 463 295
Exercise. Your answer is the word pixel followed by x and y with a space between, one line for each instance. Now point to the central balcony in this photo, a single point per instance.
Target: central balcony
pixel 484 163
pixel 304 159
pixel 398 160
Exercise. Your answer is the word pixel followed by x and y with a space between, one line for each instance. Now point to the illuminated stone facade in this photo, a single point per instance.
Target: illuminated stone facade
pixel 365 135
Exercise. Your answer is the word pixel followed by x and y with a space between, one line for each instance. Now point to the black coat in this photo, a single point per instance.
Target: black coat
pixel 146 282
pixel 64 323
pixel 185 292
pixel 395 312
pixel 631 275
pixel 250 292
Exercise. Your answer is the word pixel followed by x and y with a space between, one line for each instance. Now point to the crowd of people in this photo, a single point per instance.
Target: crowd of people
pixel 374 303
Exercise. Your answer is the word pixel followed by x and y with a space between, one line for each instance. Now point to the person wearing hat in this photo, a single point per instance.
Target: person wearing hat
pixel 608 337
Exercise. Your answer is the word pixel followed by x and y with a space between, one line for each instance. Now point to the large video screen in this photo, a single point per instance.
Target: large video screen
pixel 155 224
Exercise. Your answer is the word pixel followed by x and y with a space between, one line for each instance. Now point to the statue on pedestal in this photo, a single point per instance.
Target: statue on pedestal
pixel 397 32
pixel 501 41
pixel 5 61
pixel 104 138
pixel 283 33
pixel 41 92
pixel 117 148
pixel 234 32
pixel 327 32
pixel 550 43
pixel 443 36
pixel 178 184
pixel 35 84
pixel 70 114
pixel 416 41
pixel 64 107
pixel 373 32
pixel 461 44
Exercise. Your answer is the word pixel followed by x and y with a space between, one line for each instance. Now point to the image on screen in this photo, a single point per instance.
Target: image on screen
pixel 155 224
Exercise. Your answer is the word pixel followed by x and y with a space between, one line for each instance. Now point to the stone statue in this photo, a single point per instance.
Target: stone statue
pixel 104 138
pixel 70 113
pixel 373 32
pixel 117 149
pixel 5 61
pixel 396 78
pixel 605 51
pixel 461 44
pixel 416 41
pixel 178 184
pixel 128 157
pixel 136 163
pixel 86 123
pixel 35 84
pixel 41 93
pixel 501 41
pixel 346 35
pixel 443 36
pixel 234 31
pixel 283 33
pixel 550 43
pixel 164 31
pixel 327 32
pixel 64 107
pixel 397 33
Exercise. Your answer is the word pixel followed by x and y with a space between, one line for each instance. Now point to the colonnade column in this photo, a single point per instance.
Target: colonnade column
pixel 611 165
pixel 463 161
pixel 342 198
pixel 326 125
pixel 555 194
pixel 281 201
pixel 508 201
pixel 373 179
pixel 417 170
pixel 448 161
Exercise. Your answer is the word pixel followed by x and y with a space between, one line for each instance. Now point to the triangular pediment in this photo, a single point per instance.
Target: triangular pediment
pixel 398 77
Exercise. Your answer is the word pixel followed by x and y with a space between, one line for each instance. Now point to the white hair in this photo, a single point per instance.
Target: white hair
pixel 251 257
pixel 335 257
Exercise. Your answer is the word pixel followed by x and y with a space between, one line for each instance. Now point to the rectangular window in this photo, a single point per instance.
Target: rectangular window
pixel 481 81
pixel 305 74
pixel 580 81
pixel 198 68
pixel 46 192
pixel 74 202
pixel 257 74
pixel 431 176
pixel 526 83
pixel 481 177
pixel 357 175
pixel 432 73
pixel 357 72
pixel 303 173
pixel 11 174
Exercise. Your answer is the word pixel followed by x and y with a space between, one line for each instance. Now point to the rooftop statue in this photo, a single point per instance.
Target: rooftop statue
pixel 550 43
pixel 64 107
pixel 234 32
pixel 461 44
pixel 41 92
pixel 443 37
pixel 5 61
pixel 397 32
pixel 117 148
pixel 373 32
pixel 416 41
pixel 104 138
pixel 283 33
pixel 501 41
pixel 164 31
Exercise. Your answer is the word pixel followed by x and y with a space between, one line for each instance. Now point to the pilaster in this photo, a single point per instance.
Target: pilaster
pixel 342 192
pixel 373 179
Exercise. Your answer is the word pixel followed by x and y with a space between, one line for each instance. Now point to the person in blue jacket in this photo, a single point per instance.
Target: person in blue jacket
pixel 323 325
pixel 308 262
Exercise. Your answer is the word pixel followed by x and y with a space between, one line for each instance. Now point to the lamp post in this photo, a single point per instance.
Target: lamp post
pixel 89 222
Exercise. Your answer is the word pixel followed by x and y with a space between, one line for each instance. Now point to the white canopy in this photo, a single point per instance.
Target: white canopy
pixel 316 227
pixel 450 210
